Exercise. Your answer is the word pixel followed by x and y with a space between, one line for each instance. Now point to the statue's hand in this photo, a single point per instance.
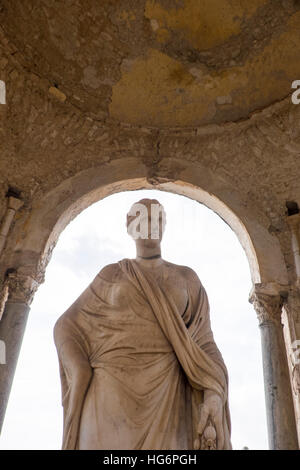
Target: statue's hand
pixel 212 408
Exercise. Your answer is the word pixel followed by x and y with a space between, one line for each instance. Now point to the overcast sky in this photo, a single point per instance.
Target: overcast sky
pixel 194 237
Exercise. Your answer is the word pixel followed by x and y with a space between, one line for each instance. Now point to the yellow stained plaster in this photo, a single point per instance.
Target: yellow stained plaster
pixel 203 23
pixel 159 91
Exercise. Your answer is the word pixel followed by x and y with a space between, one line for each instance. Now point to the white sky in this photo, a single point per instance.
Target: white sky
pixel 194 237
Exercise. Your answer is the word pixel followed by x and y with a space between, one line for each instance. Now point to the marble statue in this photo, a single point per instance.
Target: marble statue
pixel 139 366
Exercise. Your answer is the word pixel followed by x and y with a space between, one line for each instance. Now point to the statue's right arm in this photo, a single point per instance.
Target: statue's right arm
pixel 76 373
pixel 75 369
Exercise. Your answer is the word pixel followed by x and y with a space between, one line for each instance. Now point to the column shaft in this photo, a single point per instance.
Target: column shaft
pixel 12 327
pixel 279 402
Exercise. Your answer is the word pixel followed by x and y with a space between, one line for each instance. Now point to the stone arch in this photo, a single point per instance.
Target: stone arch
pixel 51 214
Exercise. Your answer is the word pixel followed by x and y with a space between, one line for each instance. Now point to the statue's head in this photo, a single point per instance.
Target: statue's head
pixel 146 221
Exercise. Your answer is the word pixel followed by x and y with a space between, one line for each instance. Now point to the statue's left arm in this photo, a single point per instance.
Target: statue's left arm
pixel 215 405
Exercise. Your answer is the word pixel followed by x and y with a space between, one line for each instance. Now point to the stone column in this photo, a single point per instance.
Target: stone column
pixel 21 287
pixel 291 318
pixel 268 301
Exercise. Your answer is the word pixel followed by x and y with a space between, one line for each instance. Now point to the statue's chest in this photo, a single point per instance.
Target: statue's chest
pixel 175 288
pixel 172 285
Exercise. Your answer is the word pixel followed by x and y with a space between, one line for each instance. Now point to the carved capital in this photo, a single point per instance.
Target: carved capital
pixel 268 308
pixel 268 301
pixel 21 288
pixel 22 284
pixel 15 203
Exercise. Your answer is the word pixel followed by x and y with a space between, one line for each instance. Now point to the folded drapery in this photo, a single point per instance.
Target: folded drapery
pixel 150 363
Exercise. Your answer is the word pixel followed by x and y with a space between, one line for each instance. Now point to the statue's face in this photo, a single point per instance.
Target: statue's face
pixel 146 222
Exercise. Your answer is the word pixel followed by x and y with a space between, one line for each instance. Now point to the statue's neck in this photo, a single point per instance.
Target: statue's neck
pixel 150 257
pixel 149 260
pixel 148 254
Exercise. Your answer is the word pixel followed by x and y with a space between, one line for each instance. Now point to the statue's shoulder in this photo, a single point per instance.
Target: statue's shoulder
pixel 110 272
pixel 185 271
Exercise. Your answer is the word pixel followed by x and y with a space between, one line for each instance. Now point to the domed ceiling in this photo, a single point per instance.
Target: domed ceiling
pixel 160 63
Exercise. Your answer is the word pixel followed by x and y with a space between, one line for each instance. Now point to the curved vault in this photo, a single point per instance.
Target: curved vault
pixel 160 63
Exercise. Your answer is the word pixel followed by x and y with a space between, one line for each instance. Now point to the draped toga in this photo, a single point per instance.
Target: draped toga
pixel 150 362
